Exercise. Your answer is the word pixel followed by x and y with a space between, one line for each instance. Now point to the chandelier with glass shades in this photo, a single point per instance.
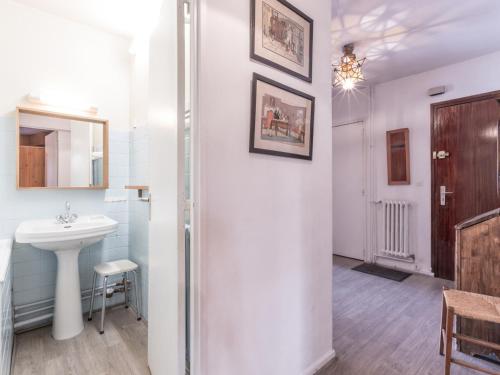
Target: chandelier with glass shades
pixel 348 72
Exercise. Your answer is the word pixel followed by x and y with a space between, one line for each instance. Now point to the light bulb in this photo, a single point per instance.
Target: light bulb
pixel 348 84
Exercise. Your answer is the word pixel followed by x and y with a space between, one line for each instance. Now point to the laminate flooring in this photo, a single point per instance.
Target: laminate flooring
pixel 383 327
pixel 380 327
pixel 122 349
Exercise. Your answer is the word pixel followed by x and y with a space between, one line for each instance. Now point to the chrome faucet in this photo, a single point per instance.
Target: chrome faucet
pixel 67 217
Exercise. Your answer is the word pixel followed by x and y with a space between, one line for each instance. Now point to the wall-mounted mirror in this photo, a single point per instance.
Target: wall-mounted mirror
pixel 398 157
pixel 60 151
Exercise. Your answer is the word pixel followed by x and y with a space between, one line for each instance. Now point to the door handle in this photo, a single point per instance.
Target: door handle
pixel 440 154
pixel 149 206
pixel 442 195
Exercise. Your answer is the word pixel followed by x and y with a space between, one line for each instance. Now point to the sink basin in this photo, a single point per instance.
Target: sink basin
pixel 50 235
pixel 66 241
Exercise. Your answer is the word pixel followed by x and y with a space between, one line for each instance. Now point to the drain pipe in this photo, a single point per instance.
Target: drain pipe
pixel 119 288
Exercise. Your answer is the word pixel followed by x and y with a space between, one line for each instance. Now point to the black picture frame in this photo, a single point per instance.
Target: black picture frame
pixel 256 57
pixel 253 117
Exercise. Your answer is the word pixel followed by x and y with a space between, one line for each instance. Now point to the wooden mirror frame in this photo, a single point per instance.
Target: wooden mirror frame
pixel 68 116
pixel 406 145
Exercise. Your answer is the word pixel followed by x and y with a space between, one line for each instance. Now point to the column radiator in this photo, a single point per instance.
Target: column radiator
pixel 396 229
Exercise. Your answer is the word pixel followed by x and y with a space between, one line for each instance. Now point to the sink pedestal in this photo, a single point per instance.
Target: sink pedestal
pixel 68 320
pixel 66 240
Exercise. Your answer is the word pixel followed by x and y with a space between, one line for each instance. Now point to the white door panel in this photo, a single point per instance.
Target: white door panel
pixel 165 325
pixel 348 191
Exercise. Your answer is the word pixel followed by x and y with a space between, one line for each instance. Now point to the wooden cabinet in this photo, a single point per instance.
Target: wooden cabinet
pixel 398 157
pixel 478 271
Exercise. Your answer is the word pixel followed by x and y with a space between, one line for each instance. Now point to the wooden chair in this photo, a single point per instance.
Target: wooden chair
pixel 471 306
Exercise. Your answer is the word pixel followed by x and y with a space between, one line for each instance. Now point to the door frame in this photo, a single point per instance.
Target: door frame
pixel 366 185
pixel 195 224
pixel 434 108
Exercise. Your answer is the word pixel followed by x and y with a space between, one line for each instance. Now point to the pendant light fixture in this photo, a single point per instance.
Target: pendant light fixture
pixel 348 72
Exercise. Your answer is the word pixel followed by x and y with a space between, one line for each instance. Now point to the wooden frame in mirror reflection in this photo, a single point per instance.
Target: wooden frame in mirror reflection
pixel 57 150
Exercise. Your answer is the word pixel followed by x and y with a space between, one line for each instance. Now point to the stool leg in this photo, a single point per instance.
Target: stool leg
pixel 103 310
pixel 137 298
pixel 125 288
pixel 92 296
pixel 449 337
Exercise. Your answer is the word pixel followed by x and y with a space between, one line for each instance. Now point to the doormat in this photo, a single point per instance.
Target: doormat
pixel 386 273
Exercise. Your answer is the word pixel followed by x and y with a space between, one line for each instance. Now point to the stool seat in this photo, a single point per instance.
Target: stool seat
pixel 473 305
pixel 107 269
pixel 115 268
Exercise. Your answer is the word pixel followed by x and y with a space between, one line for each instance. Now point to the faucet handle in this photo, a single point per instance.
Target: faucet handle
pixel 73 218
pixel 60 219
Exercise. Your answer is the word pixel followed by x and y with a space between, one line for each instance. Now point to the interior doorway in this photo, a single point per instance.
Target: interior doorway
pixel 465 170
pixel 349 190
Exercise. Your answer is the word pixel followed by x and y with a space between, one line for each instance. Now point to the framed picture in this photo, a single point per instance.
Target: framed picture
pixel 282 121
pixel 282 37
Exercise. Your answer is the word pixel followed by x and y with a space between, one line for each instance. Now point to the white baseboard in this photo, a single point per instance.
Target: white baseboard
pixel 318 365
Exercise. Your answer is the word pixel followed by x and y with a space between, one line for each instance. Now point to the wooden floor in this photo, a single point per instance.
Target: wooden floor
pixel 122 349
pixel 383 327
pixel 380 327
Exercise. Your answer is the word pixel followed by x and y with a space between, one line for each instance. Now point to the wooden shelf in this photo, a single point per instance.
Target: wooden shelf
pixel 136 187
pixel 142 191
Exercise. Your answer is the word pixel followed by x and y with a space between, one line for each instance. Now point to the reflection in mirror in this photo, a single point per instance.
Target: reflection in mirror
pixel 61 152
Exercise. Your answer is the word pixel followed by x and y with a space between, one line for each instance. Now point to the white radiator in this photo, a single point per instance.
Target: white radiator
pixel 396 228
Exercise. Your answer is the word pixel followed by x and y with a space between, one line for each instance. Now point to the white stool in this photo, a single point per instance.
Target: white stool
pixel 115 268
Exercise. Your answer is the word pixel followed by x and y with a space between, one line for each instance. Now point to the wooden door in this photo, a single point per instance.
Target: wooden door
pixel 31 166
pixel 465 170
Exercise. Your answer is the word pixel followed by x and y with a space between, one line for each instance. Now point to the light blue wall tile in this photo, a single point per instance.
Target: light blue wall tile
pixel 138 238
pixel 29 268
pixel 35 270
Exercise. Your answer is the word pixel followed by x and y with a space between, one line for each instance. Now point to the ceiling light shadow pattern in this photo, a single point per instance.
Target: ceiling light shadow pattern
pixel 400 37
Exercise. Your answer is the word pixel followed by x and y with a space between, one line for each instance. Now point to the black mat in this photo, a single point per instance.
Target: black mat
pixel 386 273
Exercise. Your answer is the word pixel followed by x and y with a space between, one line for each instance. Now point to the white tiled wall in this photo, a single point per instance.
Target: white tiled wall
pixel 6 328
pixel 139 211
pixel 34 271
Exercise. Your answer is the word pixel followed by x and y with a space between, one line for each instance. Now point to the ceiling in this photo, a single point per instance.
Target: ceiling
pixel 121 17
pixel 398 37
pixel 404 37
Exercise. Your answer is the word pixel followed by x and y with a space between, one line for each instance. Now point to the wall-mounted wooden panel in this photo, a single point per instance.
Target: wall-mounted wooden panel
pixel 398 157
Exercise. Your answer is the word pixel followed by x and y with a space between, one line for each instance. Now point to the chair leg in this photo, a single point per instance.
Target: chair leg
pixel 137 297
pixel 443 325
pixel 92 296
pixel 449 337
pixel 125 288
pixel 103 310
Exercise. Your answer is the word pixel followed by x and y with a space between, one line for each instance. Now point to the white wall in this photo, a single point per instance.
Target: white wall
pixel 41 51
pixel 349 106
pixel 265 221
pixel 404 103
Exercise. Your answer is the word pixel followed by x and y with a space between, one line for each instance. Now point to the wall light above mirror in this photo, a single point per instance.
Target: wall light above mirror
pixel 61 151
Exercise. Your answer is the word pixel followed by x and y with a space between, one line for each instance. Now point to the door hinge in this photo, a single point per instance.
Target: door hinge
pixel 440 154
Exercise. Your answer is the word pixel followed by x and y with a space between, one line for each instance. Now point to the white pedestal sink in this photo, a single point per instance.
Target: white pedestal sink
pixel 66 241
